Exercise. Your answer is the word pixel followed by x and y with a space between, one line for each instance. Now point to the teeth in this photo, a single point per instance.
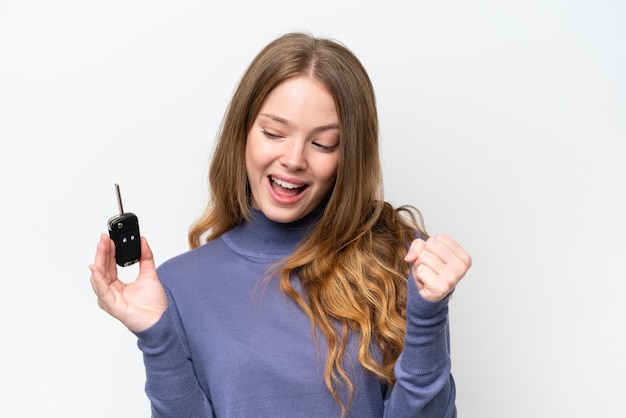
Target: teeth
pixel 285 184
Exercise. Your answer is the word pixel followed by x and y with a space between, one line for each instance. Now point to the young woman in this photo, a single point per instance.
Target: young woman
pixel 305 294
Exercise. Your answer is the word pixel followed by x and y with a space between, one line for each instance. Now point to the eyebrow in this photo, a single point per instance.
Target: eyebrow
pixel 286 122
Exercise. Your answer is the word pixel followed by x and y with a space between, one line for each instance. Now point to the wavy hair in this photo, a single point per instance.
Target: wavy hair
pixel 351 266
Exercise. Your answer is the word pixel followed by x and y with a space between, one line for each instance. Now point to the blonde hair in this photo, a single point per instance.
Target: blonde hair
pixel 351 266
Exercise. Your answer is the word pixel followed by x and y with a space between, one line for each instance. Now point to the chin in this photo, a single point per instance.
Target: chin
pixel 283 215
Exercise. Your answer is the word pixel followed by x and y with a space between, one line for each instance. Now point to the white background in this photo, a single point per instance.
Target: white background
pixel 504 122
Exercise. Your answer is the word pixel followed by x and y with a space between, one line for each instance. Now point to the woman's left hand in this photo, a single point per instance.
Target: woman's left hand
pixel 439 263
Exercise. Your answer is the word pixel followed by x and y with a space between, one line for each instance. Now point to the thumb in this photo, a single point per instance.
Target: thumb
pixel 414 250
pixel 146 262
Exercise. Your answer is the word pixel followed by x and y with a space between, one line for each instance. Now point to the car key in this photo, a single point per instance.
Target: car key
pixel 124 231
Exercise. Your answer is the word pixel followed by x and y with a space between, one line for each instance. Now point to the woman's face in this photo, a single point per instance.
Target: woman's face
pixel 292 150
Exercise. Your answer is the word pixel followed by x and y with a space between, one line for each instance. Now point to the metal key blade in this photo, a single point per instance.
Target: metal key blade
pixel 119 198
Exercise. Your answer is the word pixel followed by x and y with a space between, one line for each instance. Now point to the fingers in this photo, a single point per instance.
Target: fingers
pixel 103 270
pixel 439 252
pixel 111 271
pixel 102 253
pixel 439 263
pixel 444 255
pixel 137 304
pixel 455 253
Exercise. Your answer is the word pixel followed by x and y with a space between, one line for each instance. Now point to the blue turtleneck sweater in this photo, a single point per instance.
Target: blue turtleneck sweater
pixel 231 344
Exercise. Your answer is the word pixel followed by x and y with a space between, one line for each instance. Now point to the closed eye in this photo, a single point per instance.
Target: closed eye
pixel 325 148
pixel 270 134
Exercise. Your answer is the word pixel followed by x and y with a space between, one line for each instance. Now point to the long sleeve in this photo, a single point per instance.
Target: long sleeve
pixel 171 383
pixel 233 345
pixel 424 386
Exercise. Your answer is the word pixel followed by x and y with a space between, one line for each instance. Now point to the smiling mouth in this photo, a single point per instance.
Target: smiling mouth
pixel 286 188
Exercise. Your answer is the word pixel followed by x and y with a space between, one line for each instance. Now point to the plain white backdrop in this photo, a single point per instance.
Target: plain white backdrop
pixel 504 122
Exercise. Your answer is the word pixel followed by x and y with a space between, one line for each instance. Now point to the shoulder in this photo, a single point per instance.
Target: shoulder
pixel 192 262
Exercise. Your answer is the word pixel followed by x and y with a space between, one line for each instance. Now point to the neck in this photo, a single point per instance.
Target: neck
pixel 263 237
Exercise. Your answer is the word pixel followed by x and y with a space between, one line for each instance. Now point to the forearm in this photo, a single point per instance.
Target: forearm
pixel 424 386
pixel 171 384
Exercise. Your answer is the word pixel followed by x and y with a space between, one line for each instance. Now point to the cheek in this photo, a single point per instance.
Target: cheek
pixel 248 155
pixel 259 152
pixel 254 155
pixel 328 171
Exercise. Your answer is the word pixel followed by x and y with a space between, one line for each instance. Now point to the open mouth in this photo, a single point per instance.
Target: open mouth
pixel 286 188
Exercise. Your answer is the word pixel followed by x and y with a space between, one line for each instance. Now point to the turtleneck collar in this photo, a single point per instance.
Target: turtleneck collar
pixel 262 237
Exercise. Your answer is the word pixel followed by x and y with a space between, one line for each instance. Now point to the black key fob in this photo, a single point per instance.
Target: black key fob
pixel 124 231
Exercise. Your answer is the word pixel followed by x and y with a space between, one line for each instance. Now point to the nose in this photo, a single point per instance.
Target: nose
pixel 293 156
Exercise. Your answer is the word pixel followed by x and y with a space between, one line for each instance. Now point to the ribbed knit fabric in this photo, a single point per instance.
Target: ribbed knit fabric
pixel 231 344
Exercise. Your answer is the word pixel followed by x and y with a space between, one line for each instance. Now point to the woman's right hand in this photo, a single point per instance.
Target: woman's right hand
pixel 139 304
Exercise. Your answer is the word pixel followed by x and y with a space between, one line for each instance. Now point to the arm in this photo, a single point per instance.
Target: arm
pixel 424 386
pixel 171 383
pixel 143 307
